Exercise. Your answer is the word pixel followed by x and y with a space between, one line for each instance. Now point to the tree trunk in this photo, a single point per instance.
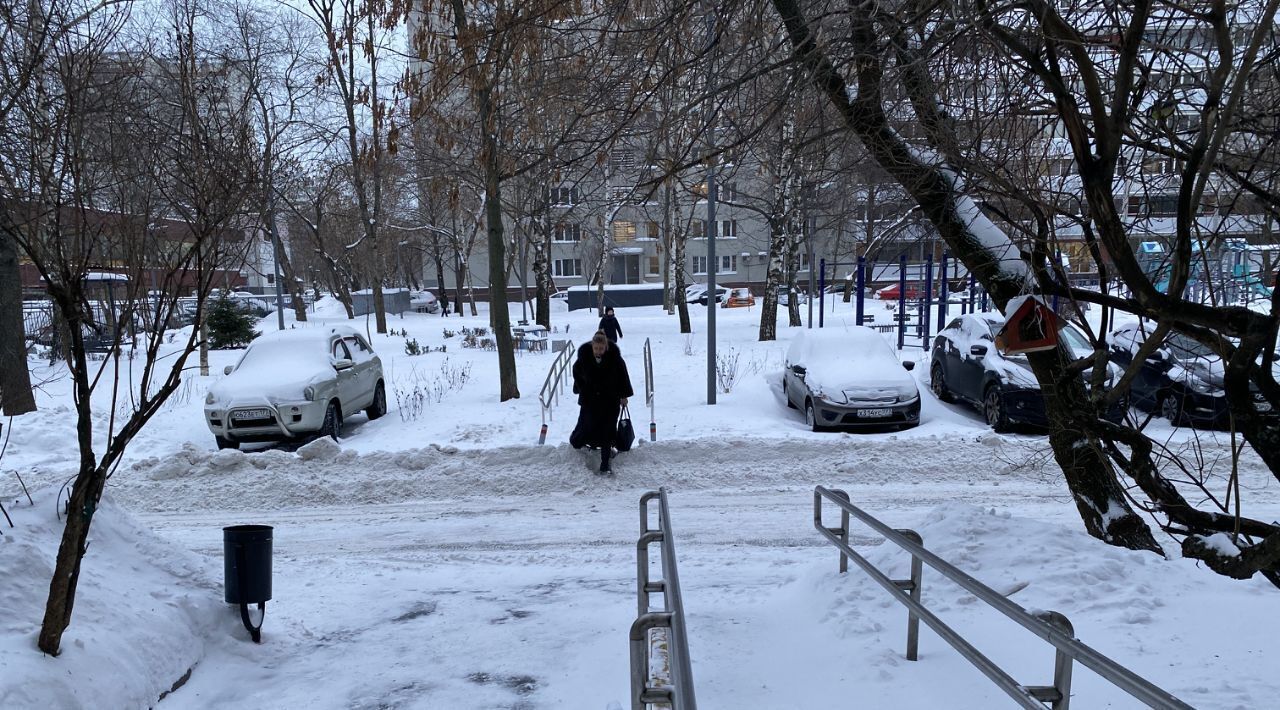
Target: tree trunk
pixel 542 277
pixel 772 280
pixel 295 286
pixel 682 303
pixel 16 396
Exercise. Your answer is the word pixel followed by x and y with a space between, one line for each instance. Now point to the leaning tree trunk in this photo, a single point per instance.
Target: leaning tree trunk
pixel 16 395
pixel 1089 473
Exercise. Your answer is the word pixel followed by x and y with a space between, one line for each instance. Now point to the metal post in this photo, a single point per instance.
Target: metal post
pixel 861 284
pixel 912 587
pixel 902 300
pixel 984 300
pixel 822 292
pixel 925 320
pixel 942 299
pixel 973 285
pixel 712 195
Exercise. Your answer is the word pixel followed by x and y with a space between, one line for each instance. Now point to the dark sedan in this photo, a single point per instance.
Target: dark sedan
pixel 849 378
pixel 1181 380
pixel 966 366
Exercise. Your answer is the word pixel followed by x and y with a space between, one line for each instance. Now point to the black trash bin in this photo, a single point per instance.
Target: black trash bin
pixel 247 571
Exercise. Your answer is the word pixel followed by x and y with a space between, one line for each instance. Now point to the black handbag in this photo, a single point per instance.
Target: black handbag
pixel 626 435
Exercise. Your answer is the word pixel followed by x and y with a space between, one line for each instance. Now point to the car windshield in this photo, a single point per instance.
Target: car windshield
pixel 290 353
pixel 1184 347
pixel 1075 339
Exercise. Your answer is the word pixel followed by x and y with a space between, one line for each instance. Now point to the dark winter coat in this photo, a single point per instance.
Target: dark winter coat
pixel 612 331
pixel 600 388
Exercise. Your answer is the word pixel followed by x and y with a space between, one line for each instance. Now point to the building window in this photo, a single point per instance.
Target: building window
pixel 699 229
pixel 804 261
pixel 622 159
pixel 624 231
pixel 728 228
pixel 566 267
pixel 729 264
pixel 566 232
pixel 564 196
pixel 652 231
pixel 699 264
pixel 729 191
pixel 618 194
pixel 655 265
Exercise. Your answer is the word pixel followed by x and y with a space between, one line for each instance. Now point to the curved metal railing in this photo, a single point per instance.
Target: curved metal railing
pixel 678 692
pixel 1052 627
pixel 557 378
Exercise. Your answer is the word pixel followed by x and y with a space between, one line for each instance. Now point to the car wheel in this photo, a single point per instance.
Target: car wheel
pixel 332 426
pixel 787 395
pixel 1171 409
pixel 226 443
pixel 993 410
pixel 811 416
pixel 938 384
pixel 379 405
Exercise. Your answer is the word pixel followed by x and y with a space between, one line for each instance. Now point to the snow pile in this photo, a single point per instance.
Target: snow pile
pixel 142 611
pixel 1165 620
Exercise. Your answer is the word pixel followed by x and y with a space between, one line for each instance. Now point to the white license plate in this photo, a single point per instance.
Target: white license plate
pixel 251 414
pixel 874 413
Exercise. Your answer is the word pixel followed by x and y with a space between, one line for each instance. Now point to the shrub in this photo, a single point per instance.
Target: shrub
pixel 229 325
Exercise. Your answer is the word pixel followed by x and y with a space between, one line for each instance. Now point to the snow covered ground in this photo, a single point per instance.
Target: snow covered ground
pixel 448 561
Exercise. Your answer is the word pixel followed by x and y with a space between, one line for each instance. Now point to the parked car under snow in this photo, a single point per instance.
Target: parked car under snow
pixel 293 384
pixel 966 365
pixel 1182 380
pixel 849 378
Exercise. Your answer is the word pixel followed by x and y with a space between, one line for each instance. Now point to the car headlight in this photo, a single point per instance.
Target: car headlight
pixel 210 399
pixel 1199 385
pixel 310 393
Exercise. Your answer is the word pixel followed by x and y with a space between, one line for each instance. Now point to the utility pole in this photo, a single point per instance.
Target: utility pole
pixel 712 265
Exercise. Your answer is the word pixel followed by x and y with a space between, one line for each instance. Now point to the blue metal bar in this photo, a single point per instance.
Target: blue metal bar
pixel 862 282
pixel 942 301
pixel 822 293
pixel 902 300
pixel 925 320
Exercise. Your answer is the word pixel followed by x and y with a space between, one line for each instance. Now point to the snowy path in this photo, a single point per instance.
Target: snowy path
pixel 523 598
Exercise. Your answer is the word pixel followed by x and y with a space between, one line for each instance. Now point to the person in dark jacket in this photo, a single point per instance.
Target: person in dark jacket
pixel 444 304
pixel 609 326
pixel 602 384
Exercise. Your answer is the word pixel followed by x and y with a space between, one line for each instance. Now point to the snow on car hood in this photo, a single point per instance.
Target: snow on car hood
pixel 851 364
pixel 276 371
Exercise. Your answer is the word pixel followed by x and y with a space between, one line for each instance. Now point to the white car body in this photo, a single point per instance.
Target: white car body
pixel 286 382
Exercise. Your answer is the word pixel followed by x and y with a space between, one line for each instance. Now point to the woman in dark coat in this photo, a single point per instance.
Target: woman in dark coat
pixel 601 382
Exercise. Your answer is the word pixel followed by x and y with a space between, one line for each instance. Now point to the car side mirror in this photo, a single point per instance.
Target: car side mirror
pixel 343 364
pixel 798 370
pixel 228 369
pixel 978 350
pixel 909 365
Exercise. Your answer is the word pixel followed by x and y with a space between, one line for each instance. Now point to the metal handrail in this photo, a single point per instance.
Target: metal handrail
pixel 679 693
pixel 648 390
pixel 1052 627
pixel 557 377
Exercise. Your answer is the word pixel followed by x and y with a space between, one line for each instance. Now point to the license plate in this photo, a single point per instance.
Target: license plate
pixel 874 413
pixel 251 414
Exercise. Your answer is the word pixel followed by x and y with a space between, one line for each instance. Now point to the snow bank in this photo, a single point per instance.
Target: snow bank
pixel 142 611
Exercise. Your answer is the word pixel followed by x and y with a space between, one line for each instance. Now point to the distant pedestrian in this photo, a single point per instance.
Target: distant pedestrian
pixel 444 303
pixel 602 384
pixel 609 326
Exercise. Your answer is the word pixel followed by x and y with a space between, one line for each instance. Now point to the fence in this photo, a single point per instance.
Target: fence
pixel 1051 626
pixel 922 292
pixel 557 378
pixel 678 693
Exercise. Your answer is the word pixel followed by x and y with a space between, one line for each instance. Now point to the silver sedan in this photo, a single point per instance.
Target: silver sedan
pixel 296 383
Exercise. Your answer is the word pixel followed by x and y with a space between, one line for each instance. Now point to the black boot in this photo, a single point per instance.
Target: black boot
pixel 604 460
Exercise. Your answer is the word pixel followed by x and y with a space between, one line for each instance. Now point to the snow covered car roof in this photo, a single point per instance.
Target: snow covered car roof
pixel 846 359
pixel 281 364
